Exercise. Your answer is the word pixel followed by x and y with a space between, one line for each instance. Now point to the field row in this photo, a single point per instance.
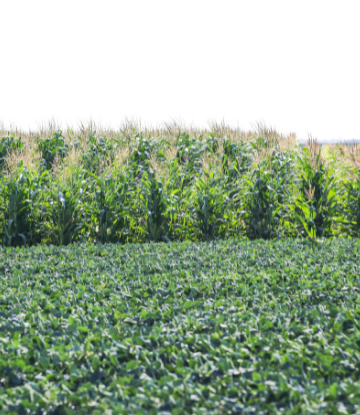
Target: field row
pixel 135 189
pixel 223 327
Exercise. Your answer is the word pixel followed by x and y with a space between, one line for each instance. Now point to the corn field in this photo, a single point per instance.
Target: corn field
pixel 170 184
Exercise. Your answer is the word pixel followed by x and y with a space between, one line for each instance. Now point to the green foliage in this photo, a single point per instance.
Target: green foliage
pixel 352 208
pixel 307 217
pixel 237 158
pixel 8 144
pixel 190 153
pixel 210 203
pixel 108 213
pixel 99 149
pixel 15 208
pixel 51 147
pixel 208 187
pixel 62 209
pixel 317 180
pixel 64 223
pixel 228 327
pixel 265 202
pixel 155 203
pixel 139 159
pixel 178 199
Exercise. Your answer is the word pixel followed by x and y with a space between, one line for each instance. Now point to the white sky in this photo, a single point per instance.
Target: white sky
pixel 293 65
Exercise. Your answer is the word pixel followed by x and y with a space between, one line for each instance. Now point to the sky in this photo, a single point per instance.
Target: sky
pixel 290 65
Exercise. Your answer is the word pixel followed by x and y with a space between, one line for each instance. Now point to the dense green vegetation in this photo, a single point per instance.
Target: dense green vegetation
pixel 225 327
pixel 173 186
pixel 250 303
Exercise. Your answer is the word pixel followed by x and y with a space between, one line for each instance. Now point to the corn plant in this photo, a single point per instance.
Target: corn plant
pixel 209 206
pixel 38 189
pixel 16 207
pixel 50 148
pixel 8 144
pixel 352 207
pixel 190 154
pixel 155 203
pixel 265 205
pixel 307 213
pixel 178 196
pixel 212 143
pixel 236 159
pixel 100 148
pixel 139 159
pixel 64 216
pixel 109 217
pixel 314 176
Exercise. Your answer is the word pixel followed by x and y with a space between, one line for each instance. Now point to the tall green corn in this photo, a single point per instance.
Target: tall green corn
pixel 50 148
pixel 109 215
pixel 265 203
pixel 16 208
pixel 209 207
pixel 156 207
pixel 8 144
pixel 316 178
pixel 351 210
